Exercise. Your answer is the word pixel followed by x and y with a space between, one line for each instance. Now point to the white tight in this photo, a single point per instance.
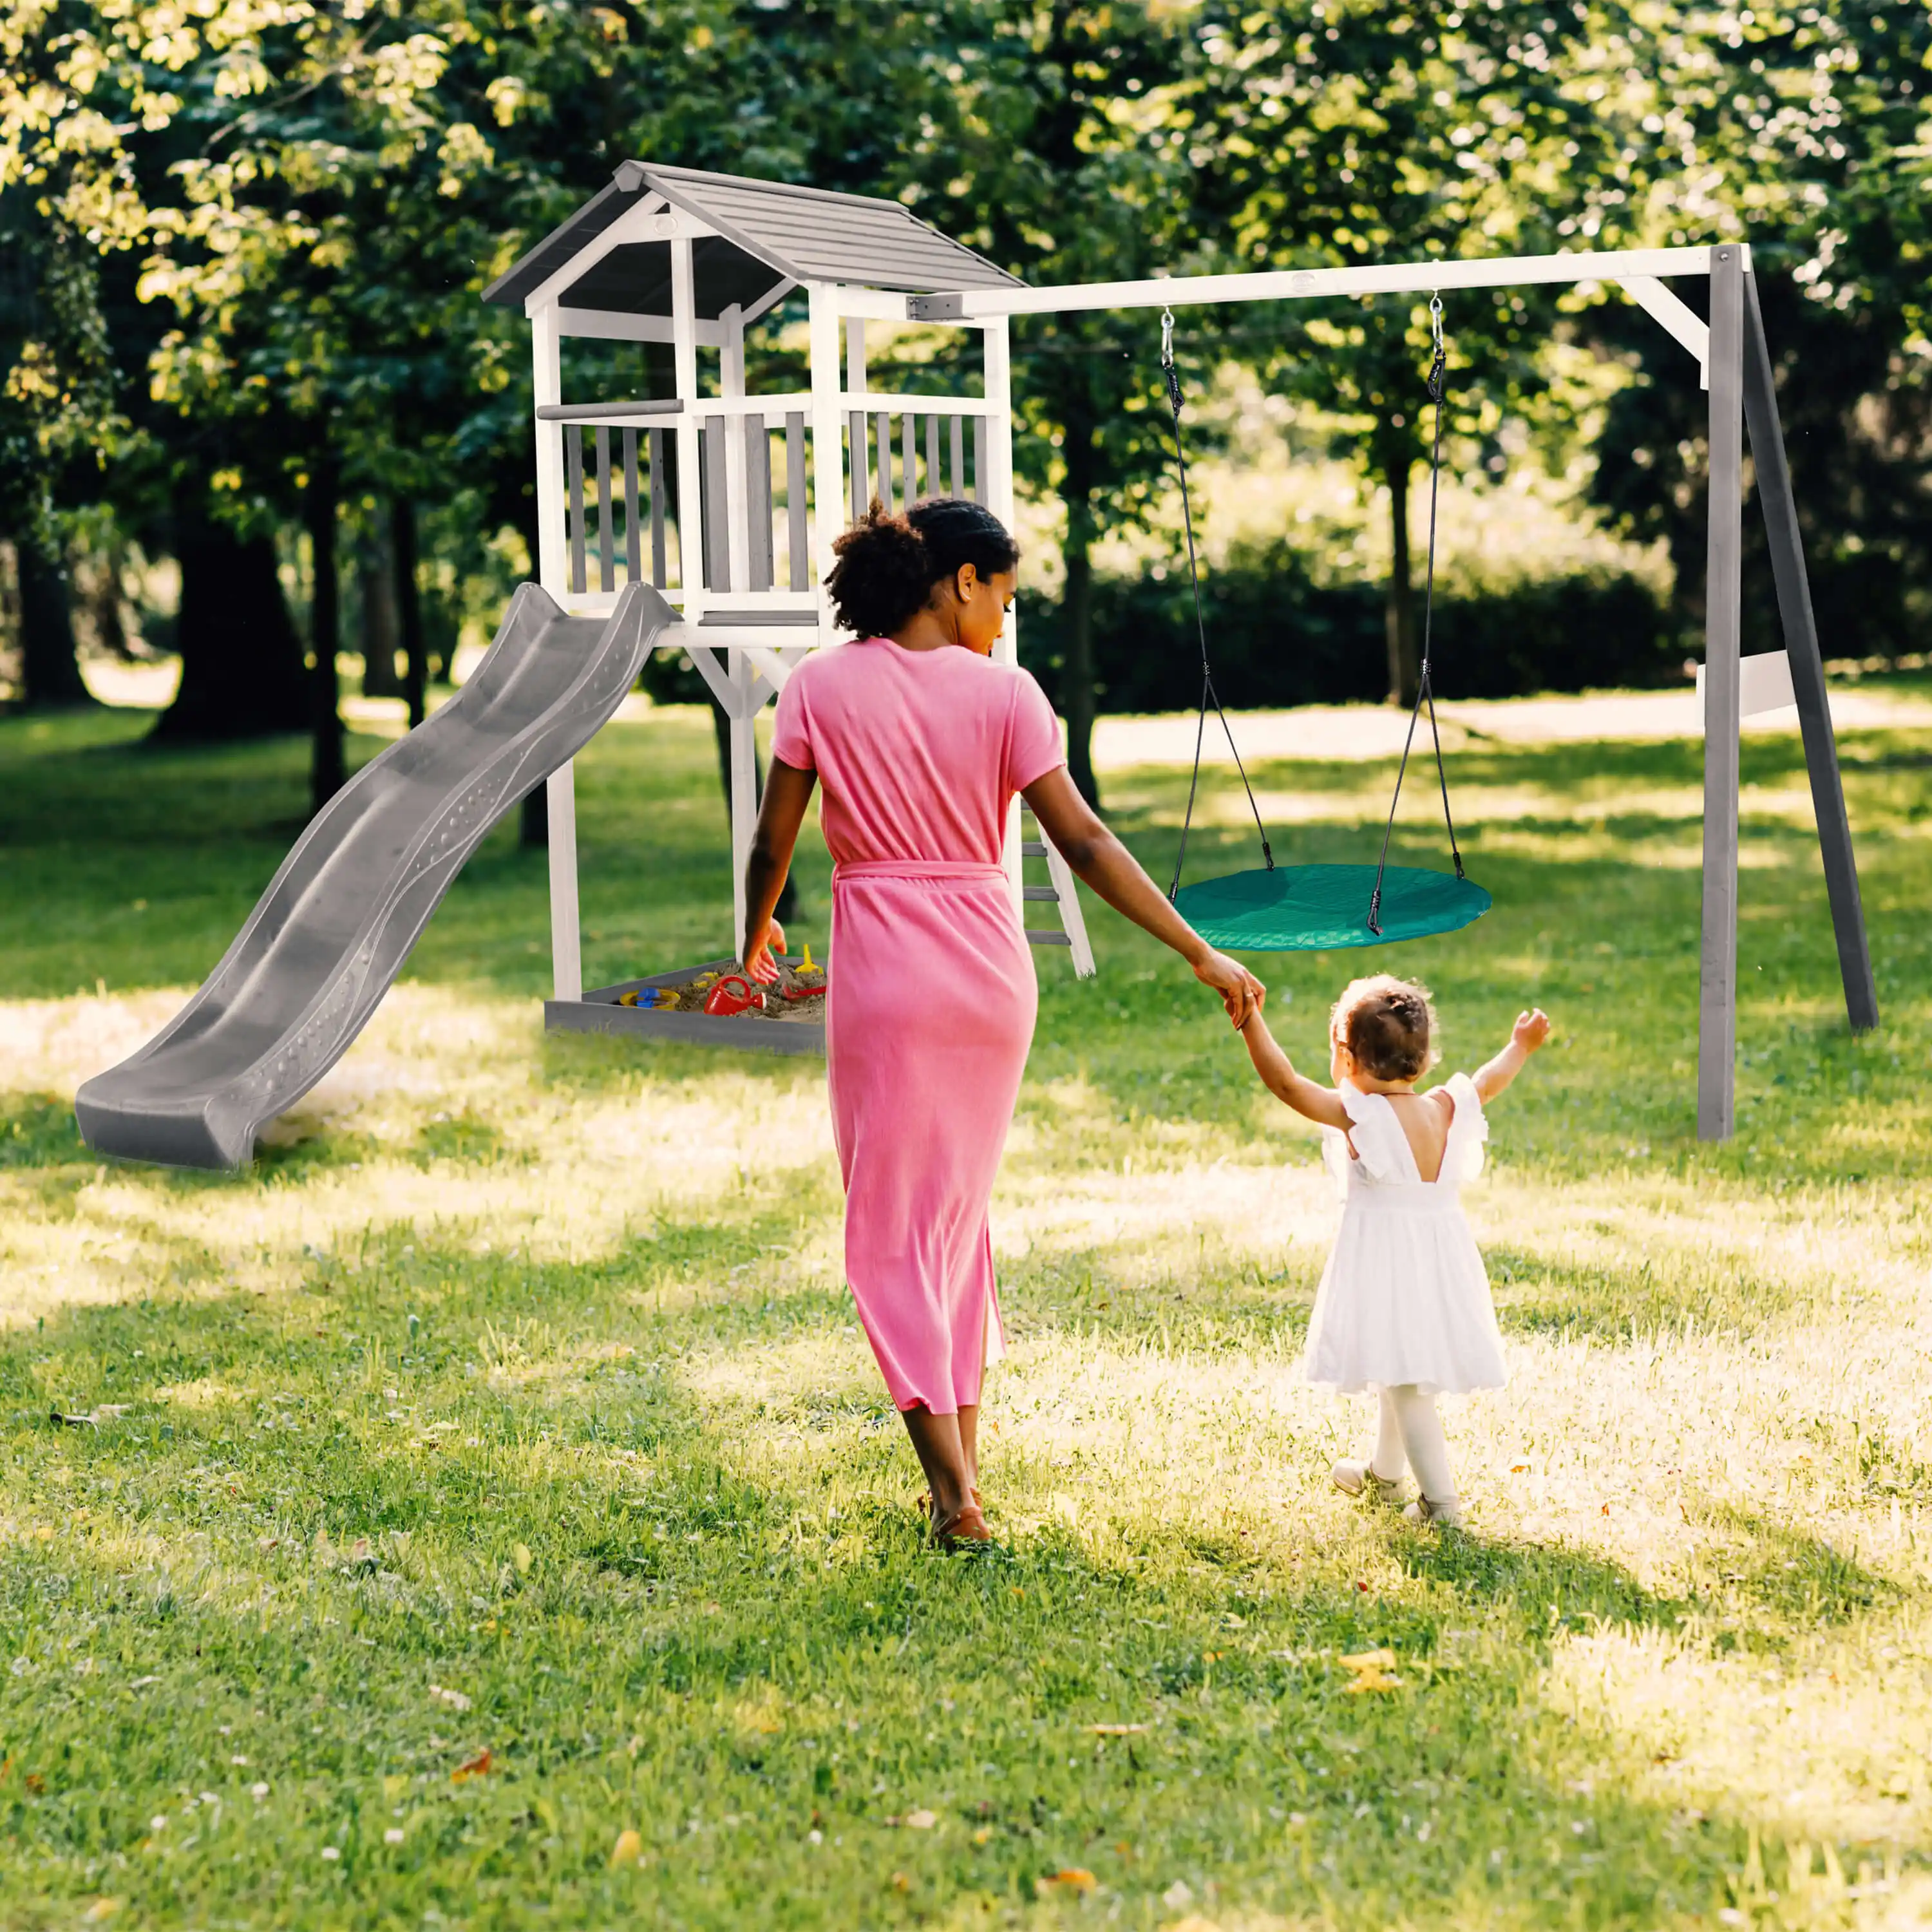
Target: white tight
pixel 1408 1431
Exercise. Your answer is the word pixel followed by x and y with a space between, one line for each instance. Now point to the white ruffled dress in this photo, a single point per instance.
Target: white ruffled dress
pixel 1404 1298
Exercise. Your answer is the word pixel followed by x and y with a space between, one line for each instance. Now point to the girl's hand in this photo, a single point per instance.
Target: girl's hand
pixel 1241 993
pixel 1530 1031
pixel 758 964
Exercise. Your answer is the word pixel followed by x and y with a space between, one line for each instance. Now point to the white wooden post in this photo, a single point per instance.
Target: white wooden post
pixel 552 566
pixel 690 494
pixel 735 538
pixel 828 473
pixel 749 695
pixel 999 391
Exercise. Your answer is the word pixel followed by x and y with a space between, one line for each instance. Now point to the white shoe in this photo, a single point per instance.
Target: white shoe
pixel 1448 1512
pixel 1353 1478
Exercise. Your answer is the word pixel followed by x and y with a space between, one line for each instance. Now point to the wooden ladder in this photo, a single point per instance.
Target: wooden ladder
pixel 1072 930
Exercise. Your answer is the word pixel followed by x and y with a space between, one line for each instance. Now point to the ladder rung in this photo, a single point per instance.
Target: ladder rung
pixel 1032 848
pixel 1039 892
pixel 1039 936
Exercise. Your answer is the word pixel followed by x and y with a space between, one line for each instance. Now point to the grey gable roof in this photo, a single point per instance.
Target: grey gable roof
pixel 768 232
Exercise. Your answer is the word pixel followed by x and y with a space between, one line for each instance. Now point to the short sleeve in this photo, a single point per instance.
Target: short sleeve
pixel 1034 747
pixel 1468 1129
pixel 791 727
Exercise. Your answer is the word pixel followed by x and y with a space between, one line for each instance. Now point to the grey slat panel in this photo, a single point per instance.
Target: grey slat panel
pixel 607 563
pixel 633 536
pixel 859 492
pixel 1039 936
pixel 933 486
pixel 717 556
pixel 909 457
pixel 979 459
pixel 573 462
pixel 1032 848
pixel 757 504
pixel 1039 892
pixel 885 460
pixel 956 482
pixel 799 541
pixel 660 573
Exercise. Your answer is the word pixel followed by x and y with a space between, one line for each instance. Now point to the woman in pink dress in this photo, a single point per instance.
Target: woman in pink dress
pixel 921 740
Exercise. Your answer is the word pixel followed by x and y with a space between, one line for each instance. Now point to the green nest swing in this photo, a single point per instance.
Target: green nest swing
pixel 1320 908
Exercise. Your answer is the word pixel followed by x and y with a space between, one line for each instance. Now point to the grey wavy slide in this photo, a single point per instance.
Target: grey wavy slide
pixel 332 930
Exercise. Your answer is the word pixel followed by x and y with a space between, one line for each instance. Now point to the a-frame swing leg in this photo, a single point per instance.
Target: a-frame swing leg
pixel 1808 668
pixel 1718 952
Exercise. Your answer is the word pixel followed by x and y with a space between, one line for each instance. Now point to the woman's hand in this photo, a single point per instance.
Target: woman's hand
pixel 1241 993
pixel 758 946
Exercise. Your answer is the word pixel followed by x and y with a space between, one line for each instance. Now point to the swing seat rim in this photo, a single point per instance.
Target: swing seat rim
pixel 1417 902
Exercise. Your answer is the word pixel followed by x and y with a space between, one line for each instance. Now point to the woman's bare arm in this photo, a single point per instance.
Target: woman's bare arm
pixel 787 793
pixel 1322 1104
pixel 1099 859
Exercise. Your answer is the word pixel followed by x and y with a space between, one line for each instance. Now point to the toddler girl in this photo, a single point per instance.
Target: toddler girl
pixel 1404 1305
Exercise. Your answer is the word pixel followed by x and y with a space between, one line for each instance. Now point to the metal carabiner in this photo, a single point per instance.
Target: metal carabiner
pixel 1435 318
pixel 1167 338
pixel 1439 361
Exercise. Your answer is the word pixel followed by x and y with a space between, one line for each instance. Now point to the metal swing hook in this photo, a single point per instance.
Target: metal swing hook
pixel 1169 372
pixel 1439 362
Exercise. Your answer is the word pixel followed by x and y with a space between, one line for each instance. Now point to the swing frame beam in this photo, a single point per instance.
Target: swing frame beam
pixel 1736 369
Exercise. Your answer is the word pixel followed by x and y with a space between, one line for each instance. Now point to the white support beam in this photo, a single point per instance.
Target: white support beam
pixel 1677 316
pixel 737 558
pixel 828 438
pixel 599 325
pixel 999 498
pixel 1303 284
pixel 684 379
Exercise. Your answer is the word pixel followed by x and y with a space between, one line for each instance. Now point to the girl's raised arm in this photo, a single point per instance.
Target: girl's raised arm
pixel 1322 1104
pixel 1530 1031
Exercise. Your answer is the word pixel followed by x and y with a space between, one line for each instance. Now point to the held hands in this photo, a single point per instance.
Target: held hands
pixel 1530 1031
pixel 1241 993
pixel 758 944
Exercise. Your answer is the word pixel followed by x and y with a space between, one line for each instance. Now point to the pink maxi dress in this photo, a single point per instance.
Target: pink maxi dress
pixel 932 999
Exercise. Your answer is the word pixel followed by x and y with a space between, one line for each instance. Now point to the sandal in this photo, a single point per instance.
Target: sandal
pixel 965 1525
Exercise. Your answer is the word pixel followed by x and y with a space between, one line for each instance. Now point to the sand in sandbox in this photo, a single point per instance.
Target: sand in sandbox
pixel 690 997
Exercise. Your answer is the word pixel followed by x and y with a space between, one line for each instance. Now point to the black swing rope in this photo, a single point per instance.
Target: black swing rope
pixel 1438 383
pixel 1208 694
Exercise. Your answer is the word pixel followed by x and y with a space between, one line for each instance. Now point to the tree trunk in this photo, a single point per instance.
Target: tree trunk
pixel 1399 615
pixel 375 597
pixel 409 608
pixel 787 908
pixel 1076 610
pixel 327 768
pixel 50 677
pixel 241 656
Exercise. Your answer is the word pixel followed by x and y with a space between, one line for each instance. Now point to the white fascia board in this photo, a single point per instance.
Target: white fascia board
pixel 652 220
pixel 1303 284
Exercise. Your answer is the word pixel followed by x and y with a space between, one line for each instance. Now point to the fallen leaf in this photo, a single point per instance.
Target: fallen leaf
pixel 478 1767
pixel 921 1821
pixel 1116 1730
pixel 520 1554
pixel 983 1836
pixel 101 1908
pixel 35 1783
pixel 629 1849
pixel 1372 1680
pixel 1075 1878
pixel 900 1882
pixel 1369 1659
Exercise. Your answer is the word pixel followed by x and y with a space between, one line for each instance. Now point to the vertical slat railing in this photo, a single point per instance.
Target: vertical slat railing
pixel 979 459
pixel 634 562
pixel 573 465
pixel 607 563
pixel 660 576
pixel 885 492
pixel 798 541
pixel 934 486
pixel 909 457
pixel 956 482
pixel 860 487
pixel 757 504
pixel 717 550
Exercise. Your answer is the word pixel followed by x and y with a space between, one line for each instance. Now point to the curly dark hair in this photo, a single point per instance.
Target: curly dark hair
pixel 1388 1025
pixel 888 565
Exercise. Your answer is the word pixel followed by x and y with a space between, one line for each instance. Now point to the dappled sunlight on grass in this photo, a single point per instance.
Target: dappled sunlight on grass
pixel 514 1401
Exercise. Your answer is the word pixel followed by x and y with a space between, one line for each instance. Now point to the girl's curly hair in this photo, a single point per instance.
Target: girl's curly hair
pixel 1388 1025
pixel 887 565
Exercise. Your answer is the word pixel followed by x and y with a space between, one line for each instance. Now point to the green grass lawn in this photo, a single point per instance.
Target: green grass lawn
pixel 492 1515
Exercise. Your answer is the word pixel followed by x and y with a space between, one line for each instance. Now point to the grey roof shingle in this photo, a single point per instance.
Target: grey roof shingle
pixel 768 231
